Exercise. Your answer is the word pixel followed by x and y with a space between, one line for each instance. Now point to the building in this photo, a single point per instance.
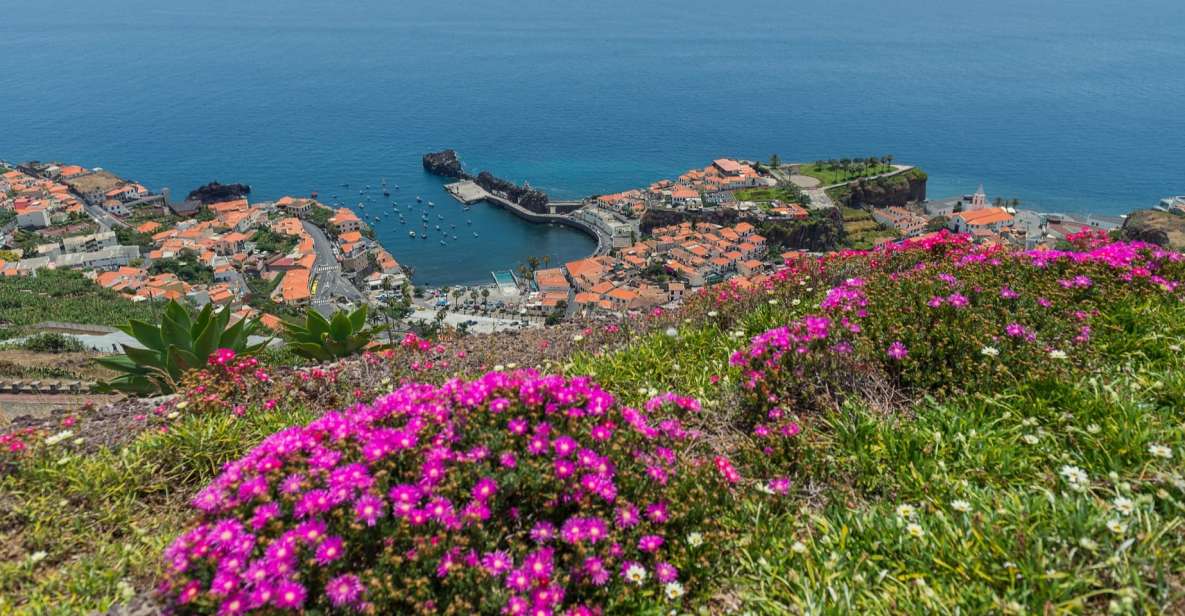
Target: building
pixel 89 243
pixel 901 219
pixel 990 219
pixel 33 218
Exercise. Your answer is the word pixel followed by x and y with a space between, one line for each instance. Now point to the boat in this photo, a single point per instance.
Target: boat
pixel 430 204
pixel 468 222
pixel 346 185
pixel 454 237
pixel 386 193
pixel 418 199
pixel 475 234
pixel 438 227
pixel 442 242
pixel 411 233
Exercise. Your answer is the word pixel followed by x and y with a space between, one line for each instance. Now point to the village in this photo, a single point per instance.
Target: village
pixel 272 259
pixel 265 260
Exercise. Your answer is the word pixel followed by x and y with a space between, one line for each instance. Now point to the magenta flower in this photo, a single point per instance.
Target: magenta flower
pixel 650 543
pixel 345 589
pixel 897 351
pixel 289 595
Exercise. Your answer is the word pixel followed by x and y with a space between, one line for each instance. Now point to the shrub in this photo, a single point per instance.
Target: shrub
pixel 343 335
pixel 944 316
pixel 177 345
pixel 51 342
pixel 507 493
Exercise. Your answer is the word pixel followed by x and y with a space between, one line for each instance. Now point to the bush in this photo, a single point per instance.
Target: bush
pixel 508 493
pixel 944 315
pixel 51 342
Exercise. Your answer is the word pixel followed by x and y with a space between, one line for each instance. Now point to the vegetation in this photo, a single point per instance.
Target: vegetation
pixel 51 342
pixel 786 193
pixel 62 295
pixel 128 236
pixel 269 241
pixel 834 171
pixel 342 335
pixel 185 266
pixel 179 344
pixel 1038 486
pixel 861 232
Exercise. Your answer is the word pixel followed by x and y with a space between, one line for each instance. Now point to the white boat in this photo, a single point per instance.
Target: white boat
pixel 411 233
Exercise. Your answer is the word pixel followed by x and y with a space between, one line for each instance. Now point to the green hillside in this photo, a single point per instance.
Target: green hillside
pixel 928 428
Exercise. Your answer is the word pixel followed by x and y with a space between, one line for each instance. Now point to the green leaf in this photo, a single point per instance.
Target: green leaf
pixel 178 313
pixel 181 361
pixel 146 358
pixel 121 363
pixel 315 323
pixel 175 333
pixel 148 335
pixel 207 341
pixel 234 337
pixel 310 350
pixel 203 319
pixel 358 318
pixel 339 327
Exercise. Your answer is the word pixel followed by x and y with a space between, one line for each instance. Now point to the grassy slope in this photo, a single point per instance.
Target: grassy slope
pixel 837 546
pixel 834 176
pixel 62 295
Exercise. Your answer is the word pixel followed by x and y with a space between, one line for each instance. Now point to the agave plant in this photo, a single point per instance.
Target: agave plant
pixel 321 339
pixel 180 343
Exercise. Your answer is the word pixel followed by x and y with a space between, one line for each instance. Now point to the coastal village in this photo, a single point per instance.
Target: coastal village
pixel 257 259
pixel 272 259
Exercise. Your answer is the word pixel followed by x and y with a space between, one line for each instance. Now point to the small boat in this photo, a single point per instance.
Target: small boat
pixel 430 204
pixel 439 217
pixel 411 233
pixel 438 227
pixel 396 187
pixel 418 199
pixel 386 193
pixel 346 185
pixel 454 237
pixel 442 242
pixel 475 234
pixel 468 222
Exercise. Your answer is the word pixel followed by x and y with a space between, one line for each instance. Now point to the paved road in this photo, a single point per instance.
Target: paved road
pixel 327 274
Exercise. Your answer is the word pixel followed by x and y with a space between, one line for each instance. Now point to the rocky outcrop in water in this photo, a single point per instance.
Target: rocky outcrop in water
pixel 444 164
pixel 215 192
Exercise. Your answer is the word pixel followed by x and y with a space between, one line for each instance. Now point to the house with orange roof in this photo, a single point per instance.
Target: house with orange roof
pixel 990 218
pixel 149 227
pixel 552 280
pixel 345 220
pixel 294 288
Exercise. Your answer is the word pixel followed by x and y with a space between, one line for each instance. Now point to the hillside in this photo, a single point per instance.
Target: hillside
pixel 929 427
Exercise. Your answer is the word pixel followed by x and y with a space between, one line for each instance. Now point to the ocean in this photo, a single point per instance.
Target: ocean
pixel 1068 105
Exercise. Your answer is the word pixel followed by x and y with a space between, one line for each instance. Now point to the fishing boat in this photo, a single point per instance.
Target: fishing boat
pixel 411 233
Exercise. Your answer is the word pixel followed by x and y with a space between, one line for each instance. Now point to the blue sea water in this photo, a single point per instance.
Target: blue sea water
pixel 1072 105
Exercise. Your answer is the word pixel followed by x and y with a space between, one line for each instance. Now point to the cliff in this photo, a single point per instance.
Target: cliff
pixel 908 187
pixel 1164 229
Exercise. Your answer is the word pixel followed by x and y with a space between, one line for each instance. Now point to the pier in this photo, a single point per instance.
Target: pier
pixel 467 191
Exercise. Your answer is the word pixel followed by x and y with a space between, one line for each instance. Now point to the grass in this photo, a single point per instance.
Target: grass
pixel 829 176
pixel 766 195
pixel 840 543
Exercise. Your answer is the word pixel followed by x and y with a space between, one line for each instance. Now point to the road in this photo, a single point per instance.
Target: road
pixel 327 279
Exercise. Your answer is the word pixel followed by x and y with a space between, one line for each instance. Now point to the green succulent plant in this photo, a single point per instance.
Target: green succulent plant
pixel 179 344
pixel 342 335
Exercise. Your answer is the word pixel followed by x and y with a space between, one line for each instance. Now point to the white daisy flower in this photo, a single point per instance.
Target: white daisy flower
pixel 960 505
pixel 674 590
pixel 1161 451
pixel 915 530
pixel 990 351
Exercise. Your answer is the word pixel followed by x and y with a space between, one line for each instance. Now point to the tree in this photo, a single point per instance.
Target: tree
pixel 485 295
pixel 775 161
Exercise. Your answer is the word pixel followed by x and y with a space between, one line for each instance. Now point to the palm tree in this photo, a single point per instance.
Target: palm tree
pixel 775 161
pixel 889 157
pixel 485 296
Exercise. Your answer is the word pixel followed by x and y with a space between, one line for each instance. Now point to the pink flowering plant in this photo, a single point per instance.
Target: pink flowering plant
pixel 513 493
pixel 944 315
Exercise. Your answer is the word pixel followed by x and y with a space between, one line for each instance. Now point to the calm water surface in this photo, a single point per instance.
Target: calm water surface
pixel 1067 105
